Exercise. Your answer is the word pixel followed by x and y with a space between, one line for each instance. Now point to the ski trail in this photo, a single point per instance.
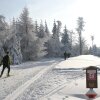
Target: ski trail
pixel 22 88
pixel 55 90
pixel 52 92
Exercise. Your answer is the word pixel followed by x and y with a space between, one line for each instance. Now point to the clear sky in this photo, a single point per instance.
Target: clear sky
pixel 67 11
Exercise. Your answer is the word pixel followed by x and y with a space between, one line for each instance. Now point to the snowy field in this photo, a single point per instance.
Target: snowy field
pixel 49 79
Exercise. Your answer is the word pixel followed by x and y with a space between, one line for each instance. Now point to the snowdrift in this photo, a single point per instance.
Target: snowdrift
pixel 79 62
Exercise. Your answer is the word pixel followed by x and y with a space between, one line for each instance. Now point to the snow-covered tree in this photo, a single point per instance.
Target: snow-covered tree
pixel 53 49
pixel 59 24
pixel 16 47
pixel 32 37
pixel 47 30
pixel 4 33
pixel 85 49
pixel 76 50
pixel 39 49
pixel 3 23
pixel 94 50
pixel 12 44
pixel 28 34
pixel 36 28
pixel 56 30
pixel 41 33
pixel 54 45
pixel 71 37
pixel 80 26
pixel 66 41
pixel 92 39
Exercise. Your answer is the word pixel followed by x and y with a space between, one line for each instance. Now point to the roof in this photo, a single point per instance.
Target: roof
pixel 91 67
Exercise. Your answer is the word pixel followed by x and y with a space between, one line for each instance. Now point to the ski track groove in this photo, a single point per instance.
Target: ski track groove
pixel 21 89
pixel 52 92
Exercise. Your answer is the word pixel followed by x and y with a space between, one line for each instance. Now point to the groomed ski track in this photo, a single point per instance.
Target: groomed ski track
pixel 22 88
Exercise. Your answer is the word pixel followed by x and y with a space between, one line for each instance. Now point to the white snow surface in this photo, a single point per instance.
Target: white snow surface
pixel 80 62
pixel 49 79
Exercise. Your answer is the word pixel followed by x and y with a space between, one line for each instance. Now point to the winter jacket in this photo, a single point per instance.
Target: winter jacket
pixel 6 61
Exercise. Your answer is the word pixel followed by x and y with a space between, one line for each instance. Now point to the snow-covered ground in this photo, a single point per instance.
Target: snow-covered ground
pixel 20 75
pixel 49 79
pixel 80 62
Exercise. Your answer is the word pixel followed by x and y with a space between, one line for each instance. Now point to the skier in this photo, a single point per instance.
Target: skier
pixel 65 55
pixel 6 64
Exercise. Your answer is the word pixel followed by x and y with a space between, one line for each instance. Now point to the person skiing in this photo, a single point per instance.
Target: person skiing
pixel 6 64
pixel 65 55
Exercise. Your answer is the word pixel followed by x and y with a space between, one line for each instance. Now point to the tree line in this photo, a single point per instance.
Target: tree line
pixel 28 40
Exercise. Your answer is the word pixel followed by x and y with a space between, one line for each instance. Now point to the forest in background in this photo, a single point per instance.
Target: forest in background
pixel 28 40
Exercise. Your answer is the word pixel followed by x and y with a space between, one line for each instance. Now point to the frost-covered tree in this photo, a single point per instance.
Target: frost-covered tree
pixel 36 28
pixel 56 30
pixel 76 50
pixel 52 48
pixel 92 39
pixel 41 33
pixel 85 49
pixel 59 24
pixel 16 50
pixel 39 49
pixel 94 50
pixel 54 45
pixel 15 46
pixel 27 34
pixel 47 30
pixel 4 34
pixel 12 44
pixel 32 37
pixel 3 23
pixel 3 28
pixel 66 41
pixel 80 26
pixel 71 37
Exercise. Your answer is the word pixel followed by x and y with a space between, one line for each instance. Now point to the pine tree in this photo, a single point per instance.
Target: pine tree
pixel 59 24
pixel 54 30
pixel 3 24
pixel 28 34
pixel 4 33
pixel 54 44
pixel 79 29
pixel 13 44
pixel 41 33
pixel 47 30
pixel 16 47
pixel 66 41
pixel 36 29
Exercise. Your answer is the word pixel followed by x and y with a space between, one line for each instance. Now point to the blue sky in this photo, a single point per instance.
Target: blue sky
pixel 10 8
pixel 67 11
